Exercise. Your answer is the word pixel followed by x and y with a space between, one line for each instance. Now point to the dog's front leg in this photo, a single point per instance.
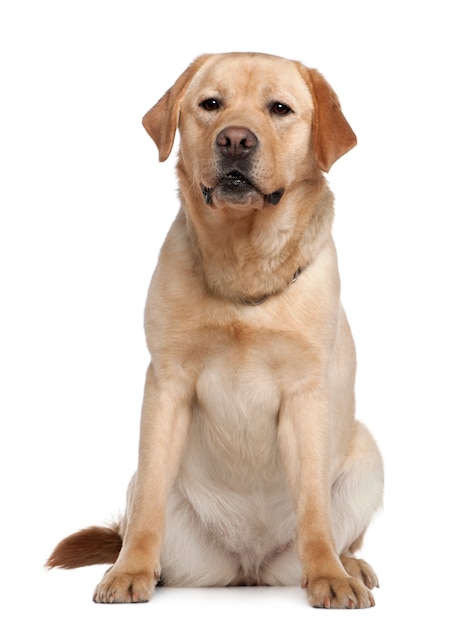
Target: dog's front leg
pixel 164 426
pixel 305 440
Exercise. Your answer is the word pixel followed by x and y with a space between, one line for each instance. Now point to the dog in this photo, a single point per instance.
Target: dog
pixel 252 468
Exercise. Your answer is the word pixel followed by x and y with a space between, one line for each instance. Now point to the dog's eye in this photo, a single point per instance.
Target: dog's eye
pixel 211 104
pixel 278 108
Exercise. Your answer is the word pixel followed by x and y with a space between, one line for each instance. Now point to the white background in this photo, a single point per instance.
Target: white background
pixel 84 208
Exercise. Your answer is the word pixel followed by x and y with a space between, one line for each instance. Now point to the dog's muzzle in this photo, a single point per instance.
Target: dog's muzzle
pixel 234 185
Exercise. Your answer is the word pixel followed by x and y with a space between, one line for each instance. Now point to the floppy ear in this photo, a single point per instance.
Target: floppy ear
pixel 332 134
pixel 162 120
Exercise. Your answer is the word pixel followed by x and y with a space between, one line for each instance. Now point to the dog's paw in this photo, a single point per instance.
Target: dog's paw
pixel 118 587
pixel 338 593
pixel 361 570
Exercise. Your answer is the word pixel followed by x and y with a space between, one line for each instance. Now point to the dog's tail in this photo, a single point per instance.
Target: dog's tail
pixel 91 546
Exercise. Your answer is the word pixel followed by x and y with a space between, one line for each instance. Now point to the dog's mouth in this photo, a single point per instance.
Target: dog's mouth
pixel 237 188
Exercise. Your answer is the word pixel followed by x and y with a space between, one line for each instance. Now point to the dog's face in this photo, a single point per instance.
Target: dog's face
pixel 252 128
pixel 246 130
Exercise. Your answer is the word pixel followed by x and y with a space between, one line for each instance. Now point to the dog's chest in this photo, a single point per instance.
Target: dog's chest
pixel 237 404
pixel 231 469
pixel 243 372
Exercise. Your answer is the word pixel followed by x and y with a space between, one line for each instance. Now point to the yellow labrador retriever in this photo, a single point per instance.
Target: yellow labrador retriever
pixel 252 468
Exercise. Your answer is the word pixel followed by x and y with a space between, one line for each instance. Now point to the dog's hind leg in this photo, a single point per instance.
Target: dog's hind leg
pixel 356 495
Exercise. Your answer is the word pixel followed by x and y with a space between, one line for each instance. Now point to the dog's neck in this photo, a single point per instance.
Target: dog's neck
pixel 248 256
pixel 252 302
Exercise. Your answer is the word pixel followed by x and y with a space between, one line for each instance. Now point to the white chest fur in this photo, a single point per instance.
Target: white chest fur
pixel 231 471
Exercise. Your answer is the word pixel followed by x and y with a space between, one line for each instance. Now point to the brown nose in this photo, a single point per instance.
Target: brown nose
pixel 236 142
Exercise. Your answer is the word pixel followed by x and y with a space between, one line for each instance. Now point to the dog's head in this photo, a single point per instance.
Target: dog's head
pixel 252 126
